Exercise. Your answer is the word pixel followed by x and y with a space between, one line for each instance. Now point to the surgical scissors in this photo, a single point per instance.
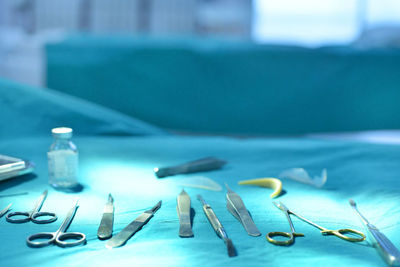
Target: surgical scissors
pixel 34 214
pixel 58 237
pixel 339 233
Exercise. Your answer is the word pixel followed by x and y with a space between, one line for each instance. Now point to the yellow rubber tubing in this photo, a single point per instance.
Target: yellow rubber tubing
pixel 268 182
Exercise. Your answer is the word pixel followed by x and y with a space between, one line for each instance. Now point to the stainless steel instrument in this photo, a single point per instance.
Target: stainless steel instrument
pixel 218 228
pixel 126 233
pixel 236 207
pixel 59 237
pixel 33 215
pixel 106 225
pixel 345 234
pixel 201 165
pixel 4 211
pixel 183 209
pixel 387 250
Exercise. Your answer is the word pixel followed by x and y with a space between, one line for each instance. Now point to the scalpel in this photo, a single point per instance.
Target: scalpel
pixel 218 228
pixel 106 225
pixel 126 233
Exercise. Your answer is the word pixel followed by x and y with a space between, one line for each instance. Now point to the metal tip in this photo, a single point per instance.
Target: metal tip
pixel 280 205
pixel 201 200
pixel 110 198
pixel 227 187
pixel 157 206
pixel 352 203
pixel 230 247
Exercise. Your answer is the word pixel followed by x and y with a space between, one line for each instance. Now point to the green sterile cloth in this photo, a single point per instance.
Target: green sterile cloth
pixel 30 111
pixel 197 85
pixel 123 166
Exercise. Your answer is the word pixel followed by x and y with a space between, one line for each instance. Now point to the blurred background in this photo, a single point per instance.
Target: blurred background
pixel 289 54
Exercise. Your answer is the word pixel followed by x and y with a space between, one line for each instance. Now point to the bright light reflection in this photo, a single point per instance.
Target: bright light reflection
pixel 124 178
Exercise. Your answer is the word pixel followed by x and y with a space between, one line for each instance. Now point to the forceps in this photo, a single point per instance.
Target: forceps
pixel 58 237
pixel 339 233
pixel 34 214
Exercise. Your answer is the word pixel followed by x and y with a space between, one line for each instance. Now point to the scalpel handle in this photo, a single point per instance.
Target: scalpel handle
pixel 212 218
pixel 386 248
pixel 106 226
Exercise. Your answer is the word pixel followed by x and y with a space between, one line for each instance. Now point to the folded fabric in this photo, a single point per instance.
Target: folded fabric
pixel 28 111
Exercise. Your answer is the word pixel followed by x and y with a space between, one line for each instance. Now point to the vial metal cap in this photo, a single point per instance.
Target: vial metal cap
pixel 62 132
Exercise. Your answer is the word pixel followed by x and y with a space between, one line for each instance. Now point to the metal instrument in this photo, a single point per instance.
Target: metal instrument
pixel 387 250
pixel 183 209
pixel 236 207
pixel 106 225
pixel 34 214
pixel 4 211
pixel 218 228
pixel 339 233
pixel 126 233
pixel 60 237
pixel 201 165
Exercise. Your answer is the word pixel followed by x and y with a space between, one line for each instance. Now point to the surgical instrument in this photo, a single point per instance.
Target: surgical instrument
pixel 201 165
pixel 126 233
pixel 388 251
pixel 339 233
pixel 183 209
pixel 218 228
pixel 236 207
pixel 34 214
pixel 4 211
pixel 60 236
pixel 106 225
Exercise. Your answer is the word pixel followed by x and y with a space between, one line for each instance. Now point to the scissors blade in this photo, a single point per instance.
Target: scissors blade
pixel 107 221
pixel 40 201
pixel 281 206
pixel 69 217
pixel 126 233
pixel 4 211
pixel 183 209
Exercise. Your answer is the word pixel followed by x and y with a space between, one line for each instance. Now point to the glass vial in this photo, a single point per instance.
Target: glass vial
pixel 63 160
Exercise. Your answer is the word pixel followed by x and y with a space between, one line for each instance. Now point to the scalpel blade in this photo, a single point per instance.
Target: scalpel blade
pixel 126 233
pixel 107 221
pixel 183 209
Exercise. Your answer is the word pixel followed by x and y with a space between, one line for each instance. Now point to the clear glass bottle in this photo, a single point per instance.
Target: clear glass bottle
pixel 63 160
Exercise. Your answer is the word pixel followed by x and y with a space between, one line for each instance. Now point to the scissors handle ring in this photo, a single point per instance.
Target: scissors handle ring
pixel 79 237
pixel 36 215
pixel 18 213
pixel 287 242
pixel 38 244
pixel 341 234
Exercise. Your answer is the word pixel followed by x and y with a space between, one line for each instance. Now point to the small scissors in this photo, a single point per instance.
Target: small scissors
pixel 60 236
pixel 34 214
pixel 339 233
